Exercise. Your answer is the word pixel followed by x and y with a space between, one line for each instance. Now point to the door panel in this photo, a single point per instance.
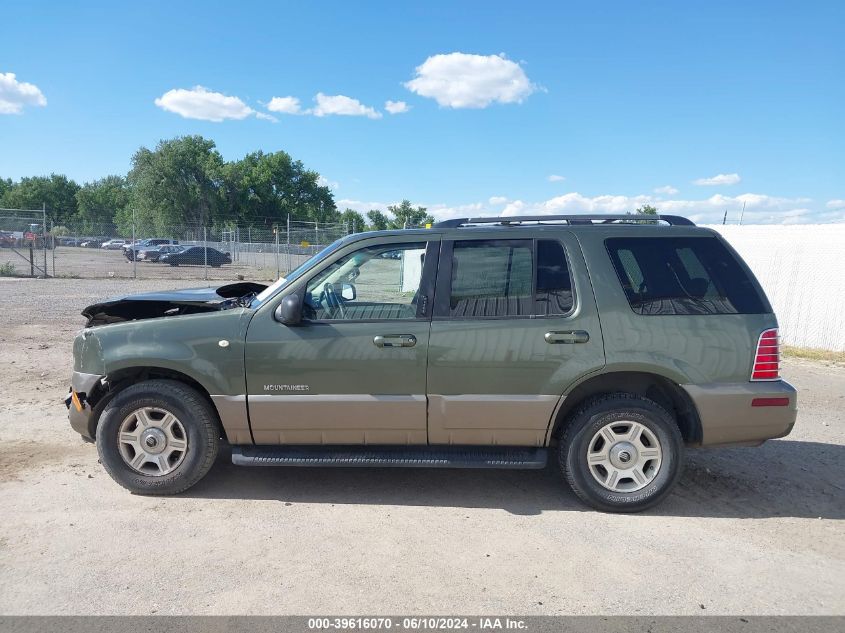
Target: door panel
pixel 352 379
pixel 499 380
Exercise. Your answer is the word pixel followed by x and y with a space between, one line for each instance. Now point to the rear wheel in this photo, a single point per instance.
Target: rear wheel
pixel 157 437
pixel 621 453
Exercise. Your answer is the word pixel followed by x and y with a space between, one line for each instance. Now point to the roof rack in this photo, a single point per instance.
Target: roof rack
pixel 673 220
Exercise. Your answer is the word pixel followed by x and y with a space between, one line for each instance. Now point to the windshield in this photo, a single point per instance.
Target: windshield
pixel 269 291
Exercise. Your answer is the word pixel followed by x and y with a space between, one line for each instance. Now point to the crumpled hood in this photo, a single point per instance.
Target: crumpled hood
pixel 150 305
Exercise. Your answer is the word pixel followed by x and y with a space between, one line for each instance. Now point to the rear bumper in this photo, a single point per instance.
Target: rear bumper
pixel 80 414
pixel 744 413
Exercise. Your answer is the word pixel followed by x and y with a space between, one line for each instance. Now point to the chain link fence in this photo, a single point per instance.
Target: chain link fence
pixel 91 251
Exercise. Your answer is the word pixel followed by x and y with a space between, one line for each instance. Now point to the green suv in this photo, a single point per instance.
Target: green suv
pixel 608 342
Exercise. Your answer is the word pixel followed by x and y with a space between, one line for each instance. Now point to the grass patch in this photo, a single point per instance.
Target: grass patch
pixel 8 269
pixel 811 353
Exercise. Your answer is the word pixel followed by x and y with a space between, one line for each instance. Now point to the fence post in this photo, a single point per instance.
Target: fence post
pixel 134 252
pixel 278 271
pixel 44 235
pixel 53 242
pixel 205 252
pixel 31 261
pixel 287 248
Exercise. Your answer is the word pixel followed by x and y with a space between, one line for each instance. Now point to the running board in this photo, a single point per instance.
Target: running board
pixel 393 456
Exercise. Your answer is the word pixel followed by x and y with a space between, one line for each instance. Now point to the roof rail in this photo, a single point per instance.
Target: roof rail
pixel 673 220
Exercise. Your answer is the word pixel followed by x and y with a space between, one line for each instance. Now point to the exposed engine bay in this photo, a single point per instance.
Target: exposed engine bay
pixel 153 305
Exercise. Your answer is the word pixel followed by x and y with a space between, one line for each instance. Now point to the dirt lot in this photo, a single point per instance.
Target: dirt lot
pixel 748 530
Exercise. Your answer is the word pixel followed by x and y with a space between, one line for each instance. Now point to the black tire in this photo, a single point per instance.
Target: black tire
pixel 196 416
pixel 596 414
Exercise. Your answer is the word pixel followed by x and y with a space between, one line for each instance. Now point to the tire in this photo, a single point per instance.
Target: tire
pixel 195 425
pixel 602 427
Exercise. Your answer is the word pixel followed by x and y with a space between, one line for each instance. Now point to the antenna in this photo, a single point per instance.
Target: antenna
pixel 725 218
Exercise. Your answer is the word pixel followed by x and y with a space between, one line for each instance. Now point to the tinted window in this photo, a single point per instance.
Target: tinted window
pixel 554 285
pixel 693 275
pixel 491 278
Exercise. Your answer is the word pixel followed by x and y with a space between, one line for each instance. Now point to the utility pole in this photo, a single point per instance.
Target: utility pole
pixel 742 214
pixel 205 251
pixel 725 218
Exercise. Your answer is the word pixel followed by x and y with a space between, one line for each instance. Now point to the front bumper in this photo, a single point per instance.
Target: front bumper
pixel 747 413
pixel 80 411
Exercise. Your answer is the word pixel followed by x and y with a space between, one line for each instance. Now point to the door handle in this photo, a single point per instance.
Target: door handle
pixel 571 336
pixel 395 340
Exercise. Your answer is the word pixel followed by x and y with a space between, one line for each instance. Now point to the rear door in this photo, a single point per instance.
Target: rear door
pixel 515 323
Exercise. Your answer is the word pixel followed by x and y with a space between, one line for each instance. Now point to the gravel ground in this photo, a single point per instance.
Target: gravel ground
pixel 748 530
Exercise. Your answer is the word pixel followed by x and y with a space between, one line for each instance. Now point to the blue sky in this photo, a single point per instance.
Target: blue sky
pixel 510 107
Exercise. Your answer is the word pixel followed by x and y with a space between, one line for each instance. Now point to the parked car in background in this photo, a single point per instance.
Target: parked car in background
pixel 71 241
pixel 115 244
pixel 7 239
pixel 94 242
pixel 154 253
pixel 130 250
pixel 197 256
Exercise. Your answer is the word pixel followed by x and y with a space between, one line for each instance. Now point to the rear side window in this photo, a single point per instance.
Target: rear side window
pixel 554 284
pixel 509 278
pixel 690 275
pixel 491 278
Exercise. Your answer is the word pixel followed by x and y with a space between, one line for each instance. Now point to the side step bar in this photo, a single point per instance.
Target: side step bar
pixel 393 456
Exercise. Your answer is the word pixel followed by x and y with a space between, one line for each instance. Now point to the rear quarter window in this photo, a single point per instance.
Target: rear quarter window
pixel 688 275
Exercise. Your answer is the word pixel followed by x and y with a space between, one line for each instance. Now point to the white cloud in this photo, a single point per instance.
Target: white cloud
pixel 497 200
pixel 719 179
pixel 203 104
pixel 667 190
pixel 396 107
pixel 14 94
pixel 325 182
pixel 342 105
pixel 835 204
pixel 461 80
pixel 555 178
pixel 285 105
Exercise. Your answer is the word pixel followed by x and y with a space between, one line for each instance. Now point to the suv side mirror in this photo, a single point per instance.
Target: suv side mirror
pixel 348 292
pixel 289 311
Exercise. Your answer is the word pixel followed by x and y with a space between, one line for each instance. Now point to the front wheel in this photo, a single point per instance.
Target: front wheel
pixel 621 453
pixel 158 437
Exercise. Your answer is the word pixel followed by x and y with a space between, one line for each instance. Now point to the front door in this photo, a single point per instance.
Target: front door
pixel 354 371
pixel 515 324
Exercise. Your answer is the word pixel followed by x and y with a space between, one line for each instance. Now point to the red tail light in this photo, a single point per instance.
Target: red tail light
pixel 767 357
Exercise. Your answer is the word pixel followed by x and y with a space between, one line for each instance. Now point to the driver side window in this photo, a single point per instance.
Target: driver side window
pixel 373 283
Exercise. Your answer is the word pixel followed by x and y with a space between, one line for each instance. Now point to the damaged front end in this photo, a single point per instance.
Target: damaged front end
pixel 153 305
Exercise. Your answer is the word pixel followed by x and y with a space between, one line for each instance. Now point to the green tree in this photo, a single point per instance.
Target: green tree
pixel 354 220
pixel 646 209
pixel 56 192
pixel 98 203
pixel 6 184
pixel 262 189
pixel 378 220
pixel 405 215
pixel 176 184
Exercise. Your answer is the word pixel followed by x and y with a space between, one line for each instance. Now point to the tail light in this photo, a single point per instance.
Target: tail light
pixel 767 357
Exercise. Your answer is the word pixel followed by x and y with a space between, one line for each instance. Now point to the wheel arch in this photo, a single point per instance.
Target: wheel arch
pixel 120 379
pixel 664 391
